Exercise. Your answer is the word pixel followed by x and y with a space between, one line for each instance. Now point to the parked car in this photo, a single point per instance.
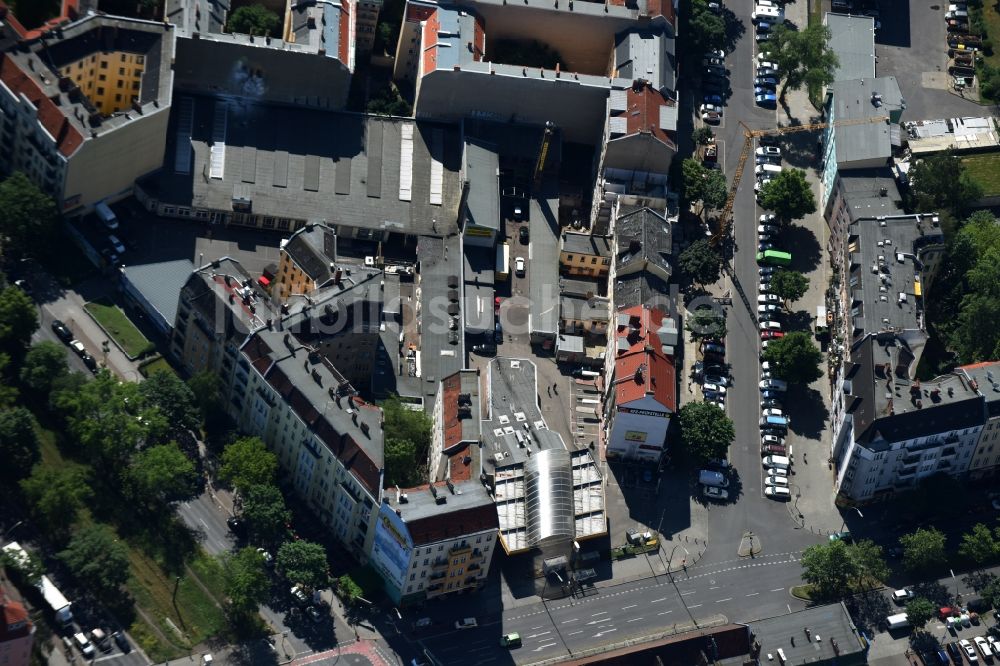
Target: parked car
pixel 89 361
pixel 712 492
pixel 523 234
pixel 901 596
pixel 766 270
pixel 773 450
pixel 770 335
pixel 466 623
pixel 773 411
pixel 713 60
pixel 122 642
pixel 766 99
pixel 78 347
pixel 774 492
pixel 780 481
pixel 768 298
pixel 84 645
pixel 711 108
pixel 767 71
pixel 62 331
pixel 712 99
pixel 984 648
pixel 511 640
pixel 711 118
pixel 314 614
pixel 773 384
pixel 768 140
pixel 519 266
pixel 772 439
pixel 485 349
pixel 717 379
pixel 769 309
pixel 762 82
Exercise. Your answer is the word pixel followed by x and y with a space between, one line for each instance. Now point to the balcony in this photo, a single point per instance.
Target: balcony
pixel 437 575
pixel 440 563
pixel 473 567
pixel 459 548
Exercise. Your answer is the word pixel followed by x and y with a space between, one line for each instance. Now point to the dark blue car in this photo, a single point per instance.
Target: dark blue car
pixel 713 99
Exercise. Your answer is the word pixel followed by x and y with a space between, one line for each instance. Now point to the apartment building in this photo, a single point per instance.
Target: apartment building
pixel 17 633
pixel 308 64
pixel 641 268
pixel 85 114
pixel 584 254
pixel 439 538
pixel 984 379
pixel 866 108
pixel 306 261
pixel 584 48
pixel 641 381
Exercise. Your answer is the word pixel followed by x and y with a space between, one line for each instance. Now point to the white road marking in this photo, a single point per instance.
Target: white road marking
pixel 665 612
pixel 543 647
pixel 627 607
pixel 714 587
pixel 568 621
pixel 541 633
pixel 687 593
pixel 601 633
pixel 601 613
pixel 635 619
pixel 574 633
pixel 694 606
pixel 654 601
pixel 753 594
pixel 719 601
pixel 778 589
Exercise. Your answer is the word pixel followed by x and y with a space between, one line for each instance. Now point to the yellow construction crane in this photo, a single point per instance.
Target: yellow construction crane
pixel 748 136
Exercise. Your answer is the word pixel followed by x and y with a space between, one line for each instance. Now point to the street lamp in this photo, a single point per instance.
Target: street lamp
pixel 11 529
pixel 860 515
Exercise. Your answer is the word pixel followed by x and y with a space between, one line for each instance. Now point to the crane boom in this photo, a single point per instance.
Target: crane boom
pixel 725 219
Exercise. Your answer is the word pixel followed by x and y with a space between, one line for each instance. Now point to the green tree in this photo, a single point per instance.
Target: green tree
pixel 788 196
pixel 919 612
pixel 980 545
pixel 716 190
pixel 803 58
pixel 399 456
pixel 974 337
pixel 109 419
pixel 98 560
pixel 28 567
pixel 693 173
pixel 795 358
pixel 703 135
pixel 18 320
pixel 44 363
pixel 868 561
pixel 28 217
pixel 349 589
pixel 254 20
pixel 923 550
pixel 940 182
pixel 706 323
pixel 175 400
pixel 705 29
pixel 8 393
pixel 56 496
pixel 991 593
pixel 205 387
pixel 246 580
pixel 18 443
pixel 700 263
pixel 789 285
pixel 303 562
pixel 829 568
pixel 265 512
pixel 247 462
pixel 386 101
pixel 705 430
pixel 401 424
pixel 161 475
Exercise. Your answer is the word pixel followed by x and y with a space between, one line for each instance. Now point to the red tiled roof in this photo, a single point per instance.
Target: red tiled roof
pixel 643 369
pixel 643 112
pixel 345 31
pixel 478 40
pixel 429 43
pixel 418 13
pixel 70 11
pixel 664 8
pixel 13 613
pixel 67 137
pixel 453 524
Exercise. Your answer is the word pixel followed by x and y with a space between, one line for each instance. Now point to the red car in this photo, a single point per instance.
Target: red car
pixel 773 450
pixel 496 303
pixel 770 335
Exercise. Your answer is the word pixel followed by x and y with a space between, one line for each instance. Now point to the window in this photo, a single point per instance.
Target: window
pixel 121 71
pixel 104 64
pixel 100 90
pixel 102 77
pixel 569 257
pixel 413 576
pixel 118 98
pixel 140 59
pixel 135 85
pixel 123 57
pixel 593 260
pixel 121 84
pixel 426 561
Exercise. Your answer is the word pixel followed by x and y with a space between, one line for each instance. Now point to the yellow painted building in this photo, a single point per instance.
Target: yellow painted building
pixel 291 279
pixel 110 80
pixel 583 254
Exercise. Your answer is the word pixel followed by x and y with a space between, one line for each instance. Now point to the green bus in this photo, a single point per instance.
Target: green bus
pixel 774 258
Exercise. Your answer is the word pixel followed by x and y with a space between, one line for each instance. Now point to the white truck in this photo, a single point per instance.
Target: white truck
pixel 60 605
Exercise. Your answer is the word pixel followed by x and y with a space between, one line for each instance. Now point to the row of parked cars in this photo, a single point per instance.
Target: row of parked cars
pixel 773 420
pixel 963 46
pixel 714 83
pixel 63 333
pixel 712 373
pixel 765 16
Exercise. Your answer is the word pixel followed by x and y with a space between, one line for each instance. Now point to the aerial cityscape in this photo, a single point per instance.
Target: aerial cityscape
pixel 461 332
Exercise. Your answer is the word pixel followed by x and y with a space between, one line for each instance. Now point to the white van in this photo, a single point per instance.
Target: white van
pixel 762 13
pixel 897 621
pixel 116 244
pixel 106 216
pixel 776 462
pixel 957 14
pixel 767 170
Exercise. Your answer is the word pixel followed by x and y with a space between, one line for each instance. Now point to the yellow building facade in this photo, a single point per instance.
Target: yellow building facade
pixel 111 81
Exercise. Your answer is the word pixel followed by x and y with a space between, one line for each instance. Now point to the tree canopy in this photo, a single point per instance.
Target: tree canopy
pixel 247 462
pixel 303 562
pixel 44 363
pixel 829 567
pixel 28 217
pixel 98 560
pixel 789 285
pixel 702 135
pixel 407 443
pixel 175 400
pixel 705 29
pixel 940 183
pixel 804 57
pixel 788 195
pixel 706 432
pixel 246 580
pixel 923 550
pixel 349 589
pixel 706 322
pixel 254 20
pixel 162 474
pixel 704 184
pixel 919 611
pixel 979 545
pixel 55 496
pixel 18 320
pixel 265 512
pixel 795 358
pixel 700 262
pixel 19 448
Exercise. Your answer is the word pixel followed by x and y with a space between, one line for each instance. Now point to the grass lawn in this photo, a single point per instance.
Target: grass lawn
pixel 985 169
pixel 118 326
pixel 991 15
pixel 192 612
pixel 157 365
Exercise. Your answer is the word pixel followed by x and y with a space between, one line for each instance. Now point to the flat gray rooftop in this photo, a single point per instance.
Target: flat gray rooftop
pixel 853 40
pixel 831 638
pixel 440 289
pixel 512 392
pixel 871 192
pixel 348 169
pixel 160 283
pixel 857 99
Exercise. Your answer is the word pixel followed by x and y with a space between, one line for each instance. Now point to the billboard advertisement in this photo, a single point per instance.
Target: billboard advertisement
pixel 392 547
